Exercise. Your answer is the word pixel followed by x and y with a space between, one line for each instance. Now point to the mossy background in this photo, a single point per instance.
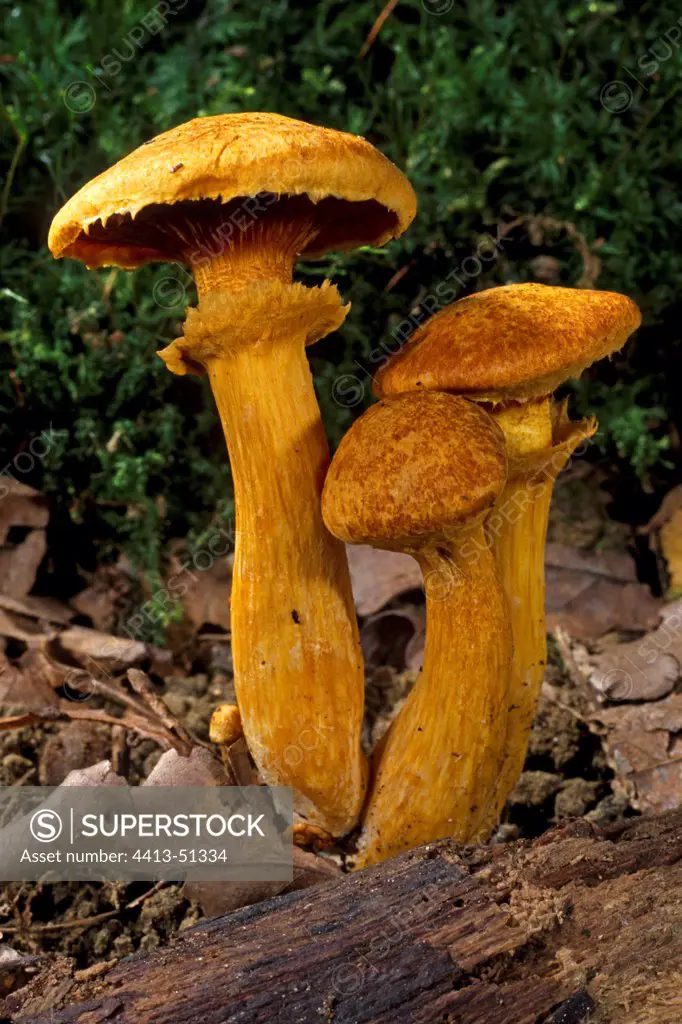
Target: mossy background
pixel 500 113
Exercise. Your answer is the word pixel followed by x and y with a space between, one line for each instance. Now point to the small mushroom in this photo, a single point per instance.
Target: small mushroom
pixel 239 198
pixel 419 473
pixel 226 725
pixel 509 348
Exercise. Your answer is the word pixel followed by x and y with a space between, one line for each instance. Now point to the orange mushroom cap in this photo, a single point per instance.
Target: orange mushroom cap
pixel 413 469
pixel 511 343
pixel 120 218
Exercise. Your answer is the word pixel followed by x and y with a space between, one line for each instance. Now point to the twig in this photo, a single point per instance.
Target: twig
pixel 26 776
pixel 377 27
pixel 141 683
pixel 145 895
pixel 18 722
pixel 100 686
pixel 58 926
pixel 84 922
pixel 143 726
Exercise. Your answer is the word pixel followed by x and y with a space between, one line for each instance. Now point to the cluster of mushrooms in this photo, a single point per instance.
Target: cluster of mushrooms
pixel 455 465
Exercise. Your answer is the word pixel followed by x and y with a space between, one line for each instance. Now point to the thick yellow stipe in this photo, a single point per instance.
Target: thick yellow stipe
pixel 297 661
pixel 436 772
pixel 539 439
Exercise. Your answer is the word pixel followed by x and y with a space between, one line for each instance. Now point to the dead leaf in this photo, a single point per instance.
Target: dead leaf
pixel 100 774
pixel 46 609
pixel 639 742
pixel 112 653
pixel 377 576
pixel 592 594
pixel 98 603
pixel 19 627
pixel 206 601
pixel 24 690
pixel 19 564
pixel 199 769
pixel 76 745
pixel 645 669
pixel 625 674
pixel 20 505
pixel 39 665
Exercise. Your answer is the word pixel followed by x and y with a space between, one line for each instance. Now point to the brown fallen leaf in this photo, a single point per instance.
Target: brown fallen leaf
pixel 23 690
pixel 100 774
pixel 199 769
pixel 97 602
pixel 639 742
pixel 76 745
pixel 20 627
pixel 46 609
pixel 20 505
pixel 591 594
pixel 377 576
pixel 112 653
pixel 19 564
pixel 38 664
pixel 207 599
pixel 645 669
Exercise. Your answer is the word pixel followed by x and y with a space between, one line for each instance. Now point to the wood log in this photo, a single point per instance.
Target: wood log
pixel 580 925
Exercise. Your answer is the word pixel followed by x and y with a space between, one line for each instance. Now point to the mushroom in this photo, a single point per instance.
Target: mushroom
pixel 419 473
pixel 509 348
pixel 239 197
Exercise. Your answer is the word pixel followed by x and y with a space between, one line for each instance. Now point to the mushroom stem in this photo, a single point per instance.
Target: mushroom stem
pixel 435 772
pixel 265 250
pixel 539 440
pixel 297 660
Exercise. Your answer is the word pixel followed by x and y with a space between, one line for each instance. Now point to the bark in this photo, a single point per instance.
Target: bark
pixel 580 925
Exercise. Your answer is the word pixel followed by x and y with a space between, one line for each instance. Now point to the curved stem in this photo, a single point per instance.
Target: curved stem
pixel 540 439
pixel 519 549
pixel 437 767
pixel 297 660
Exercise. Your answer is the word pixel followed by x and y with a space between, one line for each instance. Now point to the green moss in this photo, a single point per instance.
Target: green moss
pixel 496 111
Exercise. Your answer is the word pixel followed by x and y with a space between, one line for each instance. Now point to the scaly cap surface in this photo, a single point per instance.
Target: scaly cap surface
pixel 412 469
pixel 511 343
pixel 362 197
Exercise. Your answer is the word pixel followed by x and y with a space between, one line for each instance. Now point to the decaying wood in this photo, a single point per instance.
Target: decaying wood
pixel 581 925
